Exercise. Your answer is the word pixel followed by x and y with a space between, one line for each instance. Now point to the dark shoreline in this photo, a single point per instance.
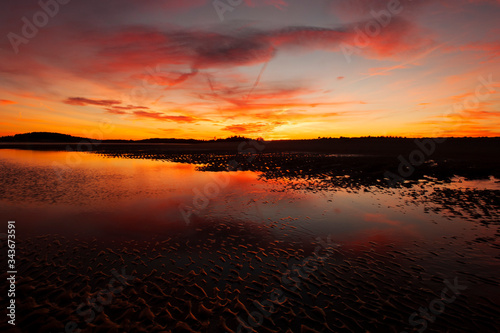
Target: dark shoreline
pixel 367 161
pixel 365 145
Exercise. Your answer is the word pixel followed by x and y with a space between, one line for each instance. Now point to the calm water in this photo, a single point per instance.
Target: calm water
pixel 68 193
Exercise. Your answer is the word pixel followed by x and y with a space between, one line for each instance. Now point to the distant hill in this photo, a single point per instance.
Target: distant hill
pixel 44 137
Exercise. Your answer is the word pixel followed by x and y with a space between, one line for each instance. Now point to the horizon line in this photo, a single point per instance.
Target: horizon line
pixel 235 137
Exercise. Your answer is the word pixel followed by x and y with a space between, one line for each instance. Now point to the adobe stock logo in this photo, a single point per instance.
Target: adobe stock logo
pixel 40 19
pixel 436 307
pixel 222 7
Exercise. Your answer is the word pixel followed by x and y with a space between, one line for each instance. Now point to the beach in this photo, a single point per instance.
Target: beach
pixel 147 241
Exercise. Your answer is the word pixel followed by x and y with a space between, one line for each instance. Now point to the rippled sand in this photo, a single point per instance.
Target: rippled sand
pixel 205 281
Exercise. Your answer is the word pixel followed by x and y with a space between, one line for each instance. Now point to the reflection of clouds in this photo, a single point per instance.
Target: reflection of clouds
pixel 268 203
pixel 379 236
pixel 380 218
pixel 263 201
pixel 135 196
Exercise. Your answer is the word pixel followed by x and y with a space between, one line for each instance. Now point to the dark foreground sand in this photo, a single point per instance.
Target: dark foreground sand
pixel 235 277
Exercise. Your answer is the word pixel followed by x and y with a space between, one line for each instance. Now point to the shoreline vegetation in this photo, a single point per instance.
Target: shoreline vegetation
pixel 52 137
pixel 349 162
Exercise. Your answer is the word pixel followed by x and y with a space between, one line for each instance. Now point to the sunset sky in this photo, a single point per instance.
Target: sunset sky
pixel 271 68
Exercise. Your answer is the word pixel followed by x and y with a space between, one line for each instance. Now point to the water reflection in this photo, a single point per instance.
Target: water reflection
pixel 88 194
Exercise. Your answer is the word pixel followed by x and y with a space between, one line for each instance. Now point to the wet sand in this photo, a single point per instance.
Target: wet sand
pixel 205 281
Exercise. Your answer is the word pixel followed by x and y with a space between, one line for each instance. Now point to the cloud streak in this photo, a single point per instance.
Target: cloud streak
pixel 6 102
pixel 165 117
pixel 81 101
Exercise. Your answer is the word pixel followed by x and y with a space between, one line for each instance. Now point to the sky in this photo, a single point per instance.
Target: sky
pixel 277 69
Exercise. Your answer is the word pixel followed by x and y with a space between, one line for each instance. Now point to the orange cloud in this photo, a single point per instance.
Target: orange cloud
pixel 163 116
pixel 253 128
pixel 6 102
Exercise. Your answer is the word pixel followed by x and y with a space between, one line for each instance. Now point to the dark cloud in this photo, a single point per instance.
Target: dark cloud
pixel 87 101
pixel 111 106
